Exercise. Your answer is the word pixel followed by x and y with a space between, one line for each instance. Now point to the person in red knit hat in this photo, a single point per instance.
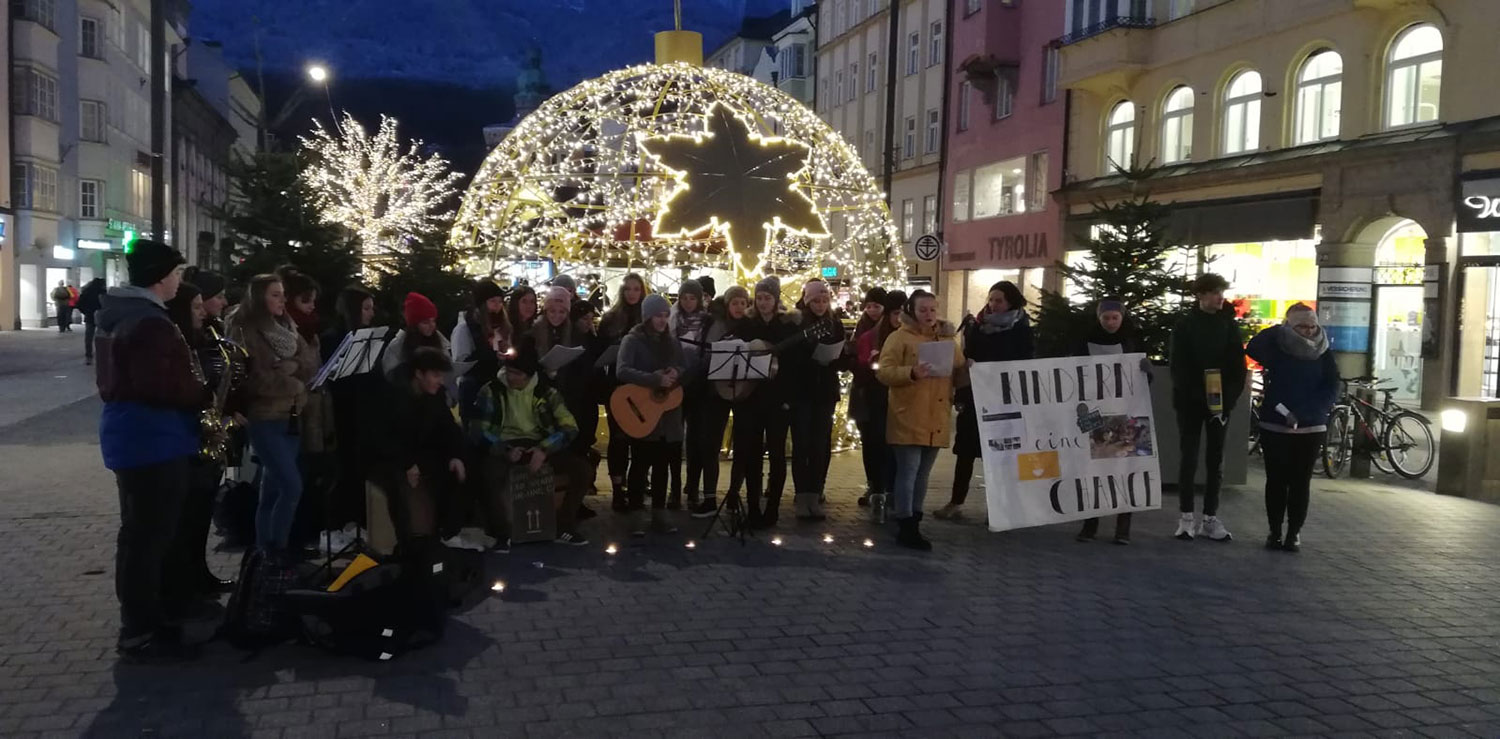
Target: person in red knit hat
pixel 421 330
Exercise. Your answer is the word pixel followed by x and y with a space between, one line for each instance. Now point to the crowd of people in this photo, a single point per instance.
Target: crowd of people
pixel 443 425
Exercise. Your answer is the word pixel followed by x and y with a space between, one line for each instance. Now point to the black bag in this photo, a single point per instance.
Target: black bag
pixel 258 614
pixel 235 516
pixel 379 614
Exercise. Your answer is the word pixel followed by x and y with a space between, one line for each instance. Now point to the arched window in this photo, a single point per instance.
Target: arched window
pixel 1320 93
pixel 1415 77
pixel 1242 113
pixel 1119 136
pixel 1177 126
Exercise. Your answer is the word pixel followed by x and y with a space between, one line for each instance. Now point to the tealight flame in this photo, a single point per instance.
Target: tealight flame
pixel 776 541
pixel 498 587
pixel 828 538
pixel 691 545
pixel 611 549
pixel 869 543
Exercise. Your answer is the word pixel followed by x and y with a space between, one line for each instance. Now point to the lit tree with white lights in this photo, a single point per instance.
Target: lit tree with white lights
pixel 385 194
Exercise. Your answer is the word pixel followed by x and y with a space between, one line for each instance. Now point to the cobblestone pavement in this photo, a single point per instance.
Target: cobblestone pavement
pixel 1387 624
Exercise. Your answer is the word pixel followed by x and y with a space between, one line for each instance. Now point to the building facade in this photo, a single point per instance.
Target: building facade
pixel 897 132
pixel 1005 150
pixel 1342 153
pixel 10 281
pixel 788 62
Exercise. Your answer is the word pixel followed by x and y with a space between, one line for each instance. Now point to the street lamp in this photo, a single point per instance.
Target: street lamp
pixel 317 73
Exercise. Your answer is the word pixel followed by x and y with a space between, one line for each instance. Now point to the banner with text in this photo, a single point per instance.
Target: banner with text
pixel 1066 439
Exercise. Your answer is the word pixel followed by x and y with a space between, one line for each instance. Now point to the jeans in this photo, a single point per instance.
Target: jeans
pixel 812 445
pixel 760 428
pixel 151 500
pixel 280 482
pixel 651 458
pixel 1194 426
pixel 875 454
pixel 1290 459
pixel 913 466
pixel 88 336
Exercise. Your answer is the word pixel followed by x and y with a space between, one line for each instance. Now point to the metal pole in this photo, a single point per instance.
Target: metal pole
pixel 159 120
pixel 891 64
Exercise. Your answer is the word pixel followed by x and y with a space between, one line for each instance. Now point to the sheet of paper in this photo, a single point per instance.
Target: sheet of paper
pixel 825 353
pixel 608 358
pixel 937 354
pixel 561 356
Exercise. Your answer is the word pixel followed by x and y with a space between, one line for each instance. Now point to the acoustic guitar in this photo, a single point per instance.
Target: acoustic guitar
pixel 637 410
pixel 737 390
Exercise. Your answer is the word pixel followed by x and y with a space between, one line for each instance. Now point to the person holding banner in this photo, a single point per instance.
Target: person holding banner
pixel 715 407
pixel 1000 333
pixel 813 368
pixel 651 357
pixel 1301 386
pixel 1111 334
pixel 1208 377
pixel 918 421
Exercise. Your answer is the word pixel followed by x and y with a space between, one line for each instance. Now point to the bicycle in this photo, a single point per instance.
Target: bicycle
pixel 1398 440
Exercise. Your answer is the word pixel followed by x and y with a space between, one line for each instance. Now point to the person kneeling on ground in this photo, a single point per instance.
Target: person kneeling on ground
pixel 524 420
pixel 418 452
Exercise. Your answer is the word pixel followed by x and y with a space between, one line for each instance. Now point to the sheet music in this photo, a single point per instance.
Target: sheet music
pixel 733 360
pixel 356 354
pixel 937 354
pixel 826 353
pixel 561 356
pixel 608 358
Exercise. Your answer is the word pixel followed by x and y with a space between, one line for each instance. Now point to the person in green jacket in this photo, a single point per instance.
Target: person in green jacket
pixel 1208 376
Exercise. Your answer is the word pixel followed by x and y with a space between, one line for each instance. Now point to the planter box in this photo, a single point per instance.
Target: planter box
pixel 1236 441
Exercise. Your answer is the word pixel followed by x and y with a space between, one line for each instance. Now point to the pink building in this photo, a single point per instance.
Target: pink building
pixel 1006 123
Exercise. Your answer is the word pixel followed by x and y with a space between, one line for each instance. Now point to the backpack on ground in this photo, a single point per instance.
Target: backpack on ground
pixel 380 613
pixel 259 615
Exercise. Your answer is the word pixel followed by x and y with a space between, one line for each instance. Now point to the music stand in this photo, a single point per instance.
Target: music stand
pixel 359 353
pixel 733 362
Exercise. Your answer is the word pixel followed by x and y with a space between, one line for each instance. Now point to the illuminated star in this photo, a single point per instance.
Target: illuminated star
pixel 735 182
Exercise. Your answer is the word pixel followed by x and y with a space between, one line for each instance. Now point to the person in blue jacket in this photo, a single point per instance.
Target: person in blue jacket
pixel 1301 385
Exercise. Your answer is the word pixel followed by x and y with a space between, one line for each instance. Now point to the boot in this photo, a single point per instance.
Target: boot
pixel 618 501
pixel 817 509
pixel 802 506
pixel 771 513
pixel 909 536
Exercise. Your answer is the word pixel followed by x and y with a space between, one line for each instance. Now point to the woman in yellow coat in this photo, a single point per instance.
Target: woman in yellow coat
pixel 919 420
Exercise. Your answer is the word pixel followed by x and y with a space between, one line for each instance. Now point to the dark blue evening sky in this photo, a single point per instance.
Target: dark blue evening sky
pixel 469 42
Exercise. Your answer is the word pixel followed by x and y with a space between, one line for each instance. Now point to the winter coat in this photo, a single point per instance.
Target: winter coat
pixel 88 298
pixel 548 407
pixel 413 429
pixel 575 379
pixel 642 355
pixel 62 295
pixel 920 410
pixel 1306 387
pixel 804 379
pixel 274 389
pixel 146 380
pixel 982 343
pixel 776 332
pixel 1204 341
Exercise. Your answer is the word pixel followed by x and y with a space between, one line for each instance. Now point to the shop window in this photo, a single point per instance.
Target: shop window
pixel 1415 78
pixel 1119 136
pixel 1000 188
pixel 1242 113
pixel 1320 91
pixel 961 185
pixel 1177 126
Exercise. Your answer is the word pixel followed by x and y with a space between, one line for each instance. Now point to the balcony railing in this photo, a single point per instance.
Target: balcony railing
pixel 1121 21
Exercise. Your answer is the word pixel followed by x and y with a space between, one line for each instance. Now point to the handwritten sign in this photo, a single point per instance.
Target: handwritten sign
pixel 1066 439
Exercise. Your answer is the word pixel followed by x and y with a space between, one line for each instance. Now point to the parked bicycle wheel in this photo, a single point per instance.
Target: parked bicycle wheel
pixel 1409 445
pixel 1337 443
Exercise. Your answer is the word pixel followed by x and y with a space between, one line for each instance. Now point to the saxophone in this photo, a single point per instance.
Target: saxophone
pixel 213 427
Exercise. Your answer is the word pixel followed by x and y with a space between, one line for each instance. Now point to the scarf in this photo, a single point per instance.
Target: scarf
pixel 306 323
pixel 1299 346
pixel 994 323
pixel 281 337
pixel 689 325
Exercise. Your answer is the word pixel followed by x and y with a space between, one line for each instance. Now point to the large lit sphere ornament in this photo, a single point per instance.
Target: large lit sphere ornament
pixel 664 167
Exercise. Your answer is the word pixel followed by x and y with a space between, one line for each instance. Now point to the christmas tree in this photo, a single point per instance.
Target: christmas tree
pixel 1128 255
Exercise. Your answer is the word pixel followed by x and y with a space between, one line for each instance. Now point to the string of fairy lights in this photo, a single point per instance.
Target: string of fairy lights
pixel 576 182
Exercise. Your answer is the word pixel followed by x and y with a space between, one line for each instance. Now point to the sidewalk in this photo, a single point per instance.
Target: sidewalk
pixel 1388 623
pixel 40 370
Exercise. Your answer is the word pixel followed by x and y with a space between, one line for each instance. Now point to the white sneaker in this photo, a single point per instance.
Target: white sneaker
pixel 1187 525
pixel 1214 529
